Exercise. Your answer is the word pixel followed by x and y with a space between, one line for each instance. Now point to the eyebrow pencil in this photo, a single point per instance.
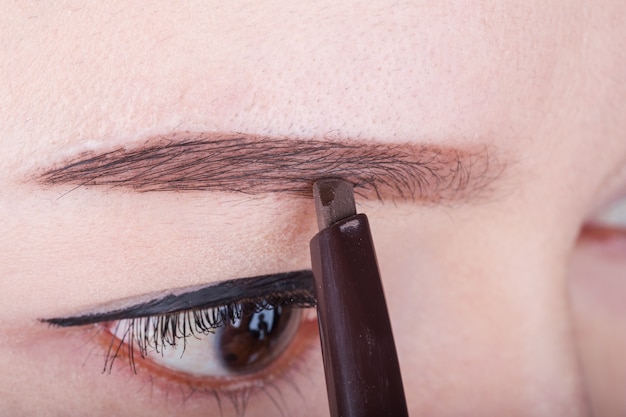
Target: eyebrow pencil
pixel 360 361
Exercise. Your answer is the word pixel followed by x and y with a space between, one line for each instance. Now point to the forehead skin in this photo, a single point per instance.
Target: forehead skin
pixel 470 287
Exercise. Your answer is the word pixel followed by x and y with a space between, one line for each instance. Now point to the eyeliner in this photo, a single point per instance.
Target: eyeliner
pixel 293 288
pixel 360 362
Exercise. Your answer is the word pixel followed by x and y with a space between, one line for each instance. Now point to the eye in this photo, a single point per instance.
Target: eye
pixel 214 343
pixel 614 215
pixel 248 341
pixel 254 340
pixel 609 228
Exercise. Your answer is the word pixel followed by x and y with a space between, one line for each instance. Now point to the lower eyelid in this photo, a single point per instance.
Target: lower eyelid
pixel 611 240
pixel 238 389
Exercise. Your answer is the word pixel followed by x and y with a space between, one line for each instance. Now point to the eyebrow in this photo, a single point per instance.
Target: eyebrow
pixel 289 288
pixel 252 164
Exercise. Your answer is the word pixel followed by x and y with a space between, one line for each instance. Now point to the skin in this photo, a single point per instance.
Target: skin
pixel 494 302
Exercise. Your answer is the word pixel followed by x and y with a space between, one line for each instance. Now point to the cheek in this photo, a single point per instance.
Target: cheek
pixel 598 294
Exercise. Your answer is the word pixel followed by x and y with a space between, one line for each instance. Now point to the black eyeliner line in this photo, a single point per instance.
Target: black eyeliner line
pixel 298 284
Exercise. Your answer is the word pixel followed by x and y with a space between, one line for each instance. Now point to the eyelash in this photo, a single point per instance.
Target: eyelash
pixel 148 333
pixel 158 332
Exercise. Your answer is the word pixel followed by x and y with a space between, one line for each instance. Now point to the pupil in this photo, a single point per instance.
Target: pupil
pixel 256 339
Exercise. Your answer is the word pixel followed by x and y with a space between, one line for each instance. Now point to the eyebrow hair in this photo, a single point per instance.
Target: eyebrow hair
pixel 289 288
pixel 196 161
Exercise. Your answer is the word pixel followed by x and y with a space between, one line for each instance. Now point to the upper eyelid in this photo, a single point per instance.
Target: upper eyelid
pixel 296 284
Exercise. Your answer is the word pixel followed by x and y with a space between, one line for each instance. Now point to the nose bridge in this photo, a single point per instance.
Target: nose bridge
pixel 482 324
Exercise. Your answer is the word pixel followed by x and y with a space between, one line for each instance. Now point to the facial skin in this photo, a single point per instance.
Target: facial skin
pixel 485 318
